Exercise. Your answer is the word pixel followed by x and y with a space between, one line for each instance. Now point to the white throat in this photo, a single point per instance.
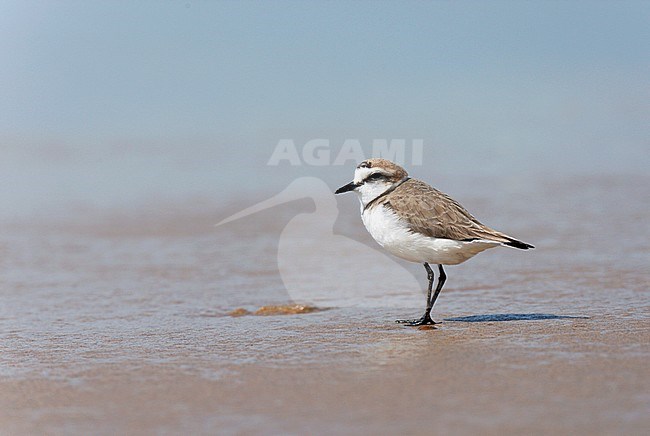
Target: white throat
pixel 369 191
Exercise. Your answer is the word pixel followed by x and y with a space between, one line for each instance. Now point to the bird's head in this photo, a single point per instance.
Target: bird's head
pixel 374 173
pixel 373 177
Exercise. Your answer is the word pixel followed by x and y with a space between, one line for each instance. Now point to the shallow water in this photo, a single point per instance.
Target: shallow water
pixel 103 307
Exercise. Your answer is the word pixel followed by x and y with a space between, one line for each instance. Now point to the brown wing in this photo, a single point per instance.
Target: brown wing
pixel 435 214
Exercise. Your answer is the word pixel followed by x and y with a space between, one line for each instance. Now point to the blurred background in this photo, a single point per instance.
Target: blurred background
pixel 129 128
pixel 118 104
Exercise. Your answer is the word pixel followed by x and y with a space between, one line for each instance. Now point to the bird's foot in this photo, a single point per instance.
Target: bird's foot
pixel 425 320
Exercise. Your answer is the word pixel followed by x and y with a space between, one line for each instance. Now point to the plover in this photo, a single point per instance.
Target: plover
pixel 418 223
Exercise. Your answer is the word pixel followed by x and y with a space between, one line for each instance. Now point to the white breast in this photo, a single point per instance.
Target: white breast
pixel 393 234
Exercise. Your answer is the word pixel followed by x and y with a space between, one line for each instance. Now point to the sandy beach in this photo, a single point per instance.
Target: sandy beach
pixel 117 322
pixel 536 377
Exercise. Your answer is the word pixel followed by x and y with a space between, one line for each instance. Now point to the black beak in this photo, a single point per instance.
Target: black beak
pixel 349 187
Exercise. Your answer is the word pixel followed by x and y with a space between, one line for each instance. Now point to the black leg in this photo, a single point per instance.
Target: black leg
pixel 441 281
pixel 426 318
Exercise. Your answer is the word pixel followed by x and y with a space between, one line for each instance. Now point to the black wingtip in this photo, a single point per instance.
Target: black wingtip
pixel 518 244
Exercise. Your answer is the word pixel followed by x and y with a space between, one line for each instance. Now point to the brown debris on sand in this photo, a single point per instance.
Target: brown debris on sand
pixel 281 309
pixel 239 312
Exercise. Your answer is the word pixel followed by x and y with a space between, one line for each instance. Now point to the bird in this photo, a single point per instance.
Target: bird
pixel 418 223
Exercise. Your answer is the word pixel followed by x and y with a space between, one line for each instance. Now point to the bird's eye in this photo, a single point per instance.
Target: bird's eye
pixel 376 176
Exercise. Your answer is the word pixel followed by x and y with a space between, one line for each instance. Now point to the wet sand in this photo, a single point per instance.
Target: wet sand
pixel 117 322
pixel 538 377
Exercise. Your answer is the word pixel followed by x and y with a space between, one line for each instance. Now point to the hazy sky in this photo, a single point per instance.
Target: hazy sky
pixel 527 85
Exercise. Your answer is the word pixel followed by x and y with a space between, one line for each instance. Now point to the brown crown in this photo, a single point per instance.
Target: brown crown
pixel 396 171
